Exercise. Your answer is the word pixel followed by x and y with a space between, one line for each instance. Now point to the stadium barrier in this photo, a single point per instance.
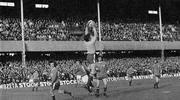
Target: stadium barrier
pixel 68 82
pixel 42 46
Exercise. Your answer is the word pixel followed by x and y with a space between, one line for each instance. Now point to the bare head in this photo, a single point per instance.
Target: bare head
pixel 99 58
pixel 78 62
pixel 53 64
pixel 156 61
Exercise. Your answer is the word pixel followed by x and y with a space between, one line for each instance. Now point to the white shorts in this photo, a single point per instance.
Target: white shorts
pixel 78 77
pixel 85 79
pixel 31 81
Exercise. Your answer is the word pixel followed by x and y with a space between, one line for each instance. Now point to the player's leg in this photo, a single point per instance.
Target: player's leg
pixel 87 81
pixel 97 87
pixel 57 87
pixel 90 80
pixel 52 91
pixel 156 81
pixel 36 84
pixel 64 92
pixel 32 81
pixel 105 86
pixel 78 78
pixel 130 80
pixel 90 60
pixel 33 88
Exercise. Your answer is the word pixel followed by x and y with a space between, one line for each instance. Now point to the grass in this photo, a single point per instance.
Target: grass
pixel 117 90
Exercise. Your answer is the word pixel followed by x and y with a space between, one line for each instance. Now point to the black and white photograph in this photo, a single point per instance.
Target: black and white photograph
pixel 89 49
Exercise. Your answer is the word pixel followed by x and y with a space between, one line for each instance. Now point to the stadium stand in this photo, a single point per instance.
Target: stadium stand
pixel 66 30
pixel 12 70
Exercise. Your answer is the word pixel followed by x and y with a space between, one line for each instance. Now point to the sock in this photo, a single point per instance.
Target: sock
pixel 66 92
pixel 36 88
pixel 90 84
pixel 130 82
pixel 157 84
pixel 88 88
pixel 53 98
pixel 105 89
pixel 97 92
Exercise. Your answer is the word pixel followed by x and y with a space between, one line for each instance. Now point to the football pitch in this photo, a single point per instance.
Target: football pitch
pixel 117 90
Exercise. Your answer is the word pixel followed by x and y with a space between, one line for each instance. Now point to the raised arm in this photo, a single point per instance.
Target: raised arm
pixel 91 24
pixel 86 30
pixel 95 33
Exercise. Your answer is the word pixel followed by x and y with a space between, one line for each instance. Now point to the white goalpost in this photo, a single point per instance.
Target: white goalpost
pixel 22 34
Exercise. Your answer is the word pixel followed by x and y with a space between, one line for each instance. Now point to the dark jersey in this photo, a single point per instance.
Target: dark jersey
pixel 101 69
pixel 80 71
pixel 156 69
pixel 35 75
pixel 54 75
pixel 130 71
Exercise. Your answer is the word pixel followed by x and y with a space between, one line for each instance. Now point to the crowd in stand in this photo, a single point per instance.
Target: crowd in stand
pixel 71 29
pixel 12 71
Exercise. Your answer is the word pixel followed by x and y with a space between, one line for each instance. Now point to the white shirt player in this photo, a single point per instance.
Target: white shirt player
pixel 90 45
pixel 92 68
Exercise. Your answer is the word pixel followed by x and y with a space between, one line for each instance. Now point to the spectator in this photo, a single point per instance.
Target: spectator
pixel 51 30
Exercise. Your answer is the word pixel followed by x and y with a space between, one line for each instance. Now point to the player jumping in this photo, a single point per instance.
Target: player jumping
pixel 90 40
pixel 55 84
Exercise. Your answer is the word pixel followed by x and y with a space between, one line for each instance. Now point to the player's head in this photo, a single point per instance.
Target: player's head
pixel 78 62
pixel 52 63
pixel 35 71
pixel 99 58
pixel 156 61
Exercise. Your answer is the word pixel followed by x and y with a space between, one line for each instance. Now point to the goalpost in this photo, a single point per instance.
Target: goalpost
pixel 99 19
pixel 99 30
pixel 22 34
pixel 161 34
pixel 99 27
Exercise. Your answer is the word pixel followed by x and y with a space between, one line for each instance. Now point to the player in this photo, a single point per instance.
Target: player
pixel 35 79
pixel 80 72
pixel 130 72
pixel 101 70
pixel 92 75
pixel 55 84
pixel 157 73
pixel 83 77
pixel 90 40
pixel 45 75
